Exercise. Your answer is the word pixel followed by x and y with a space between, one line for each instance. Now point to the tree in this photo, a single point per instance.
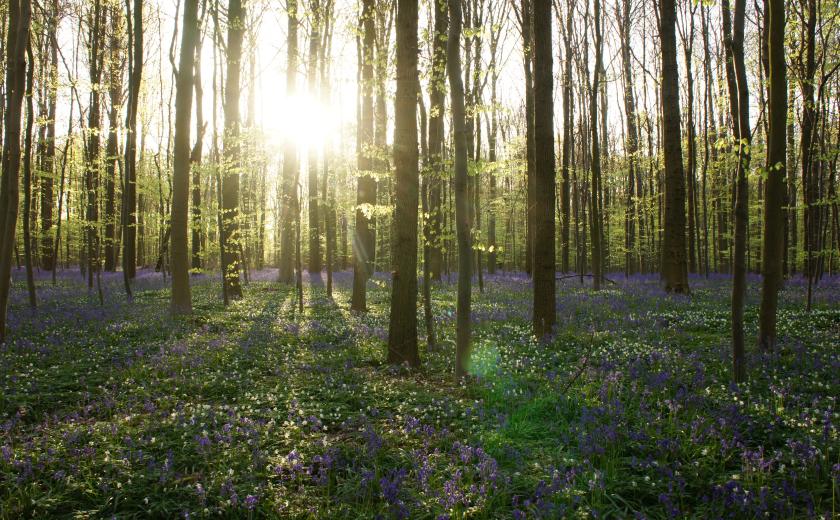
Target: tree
pixel 48 157
pixel 115 77
pixel 774 188
pixel 568 121
pixel 17 40
pixel 545 312
pixel 733 35
pixel 314 263
pixel 526 27
pixel 363 239
pixel 674 268
pixel 402 327
pixel 181 296
pixel 290 208
pixel 631 139
pixel 462 210
pixel 230 180
pixel 92 159
pixel 27 179
pixel 195 161
pixel 437 100
pixel 129 203
pixel 596 209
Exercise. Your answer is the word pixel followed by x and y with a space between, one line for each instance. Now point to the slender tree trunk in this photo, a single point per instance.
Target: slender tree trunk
pixel 27 179
pixel 526 21
pixel 290 159
pixel 674 268
pixel 734 42
pixel 314 263
pixel 195 163
pixel 437 99
pixel 595 213
pixel 568 123
pixel 774 195
pixel 424 197
pixel 232 150
pixel 16 43
pixel 363 237
pixel 48 160
pixel 631 143
pixel 181 295
pixel 129 202
pixel 112 159
pixel 456 89
pixel 92 159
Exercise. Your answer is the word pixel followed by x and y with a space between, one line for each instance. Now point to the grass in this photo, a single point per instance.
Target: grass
pixel 259 411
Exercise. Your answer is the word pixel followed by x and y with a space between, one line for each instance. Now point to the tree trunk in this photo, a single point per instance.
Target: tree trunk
pixel 314 263
pixel 545 313
pixel 92 159
pixel 27 180
pixel 289 190
pixel 48 160
pixel 596 216
pixel 232 159
pixel 739 104
pixel 363 238
pixel 526 21
pixel 632 143
pixel 17 41
pixel 112 158
pixel 402 328
pixel 129 202
pixel 567 142
pixel 456 89
pixel 774 194
pixel 674 268
pixel 195 163
pixel 181 296
pixel 437 99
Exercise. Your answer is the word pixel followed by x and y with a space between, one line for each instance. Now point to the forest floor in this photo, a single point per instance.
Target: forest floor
pixel 259 411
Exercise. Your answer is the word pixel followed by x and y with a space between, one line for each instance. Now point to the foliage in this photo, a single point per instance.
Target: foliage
pixel 258 411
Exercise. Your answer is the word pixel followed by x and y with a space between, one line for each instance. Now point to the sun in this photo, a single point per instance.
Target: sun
pixel 301 117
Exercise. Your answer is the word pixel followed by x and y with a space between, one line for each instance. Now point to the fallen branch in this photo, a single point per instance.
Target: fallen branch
pixel 583 365
pixel 584 275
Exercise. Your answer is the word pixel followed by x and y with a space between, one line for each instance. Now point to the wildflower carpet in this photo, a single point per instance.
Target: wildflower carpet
pixel 258 411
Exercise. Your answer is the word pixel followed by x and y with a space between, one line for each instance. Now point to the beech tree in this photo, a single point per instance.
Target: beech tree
pixel 674 269
pixel 402 326
pixel 17 41
pixel 230 179
pixel 544 262
pixel 181 296
pixel 774 194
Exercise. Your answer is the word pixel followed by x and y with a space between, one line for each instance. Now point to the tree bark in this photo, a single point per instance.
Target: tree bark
pixel 545 313
pixel 181 303
pixel 774 194
pixel 16 43
pixel 129 203
pixel 456 91
pixel 314 262
pixel 232 152
pixel 290 160
pixel 27 180
pixel 402 328
pixel 739 104
pixel 674 268
pixel 363 237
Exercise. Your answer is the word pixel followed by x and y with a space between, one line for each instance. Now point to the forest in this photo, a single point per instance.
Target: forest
pixel 434 259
